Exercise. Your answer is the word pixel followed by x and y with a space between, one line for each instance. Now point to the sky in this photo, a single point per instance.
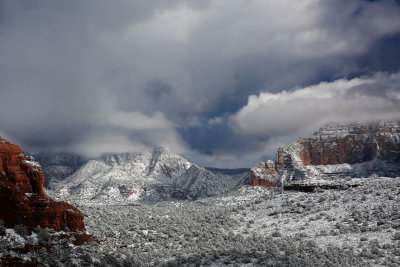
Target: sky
pixel 222 82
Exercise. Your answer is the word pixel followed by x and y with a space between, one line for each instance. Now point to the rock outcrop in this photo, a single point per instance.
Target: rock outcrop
pixel 353 150
pixel 22 198
pixel 264 174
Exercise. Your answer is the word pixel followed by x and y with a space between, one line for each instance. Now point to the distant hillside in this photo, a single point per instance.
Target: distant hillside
pixel 128 178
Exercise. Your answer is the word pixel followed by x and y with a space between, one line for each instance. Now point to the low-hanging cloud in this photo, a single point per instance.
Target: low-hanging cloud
pixel 356 100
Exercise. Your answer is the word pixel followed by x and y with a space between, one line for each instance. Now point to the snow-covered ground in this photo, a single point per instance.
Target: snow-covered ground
pixel 257 226
pixel 251 226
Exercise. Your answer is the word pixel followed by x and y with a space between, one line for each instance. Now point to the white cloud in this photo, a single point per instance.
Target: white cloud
pixel 356 100
pixel 129 131
pixel 99 143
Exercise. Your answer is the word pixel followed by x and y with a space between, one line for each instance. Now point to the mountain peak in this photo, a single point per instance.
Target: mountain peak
pixel 161 149
pixel 148 176
pixel 168 163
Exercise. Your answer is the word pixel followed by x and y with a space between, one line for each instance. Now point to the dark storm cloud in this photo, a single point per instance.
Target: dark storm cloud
pixel 156 89
pixel 381 56
pixel 85 75
pixel 223 140
pixel 55 72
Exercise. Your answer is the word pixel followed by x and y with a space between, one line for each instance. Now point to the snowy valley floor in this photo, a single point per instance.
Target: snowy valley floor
pixel 259 226
pixel 253 226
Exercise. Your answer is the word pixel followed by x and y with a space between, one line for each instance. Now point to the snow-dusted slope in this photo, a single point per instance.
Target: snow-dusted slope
pixel 58 166
pixel 199 182
pixel 148 176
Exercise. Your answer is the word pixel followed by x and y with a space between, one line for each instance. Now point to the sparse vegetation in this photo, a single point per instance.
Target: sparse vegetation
pixel 289 229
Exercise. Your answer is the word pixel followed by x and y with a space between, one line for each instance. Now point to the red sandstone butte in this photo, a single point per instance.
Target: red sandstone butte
pixel 336 144
pixel 22 199
pixel 361 144
pixel 254 180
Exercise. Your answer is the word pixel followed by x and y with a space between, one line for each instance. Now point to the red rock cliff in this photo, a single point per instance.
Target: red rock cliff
pixel 263 175
pixel 22 199
pixel 338 144
pixel 353 150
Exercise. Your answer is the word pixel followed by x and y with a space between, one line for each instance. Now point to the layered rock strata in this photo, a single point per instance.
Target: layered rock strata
pixel 264 174
pixel 22 198
pixel 353 150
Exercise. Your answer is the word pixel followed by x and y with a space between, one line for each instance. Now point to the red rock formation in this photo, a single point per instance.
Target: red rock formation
pixel 361 144
pixel 356 144
pixel 334 145
pixel 263 175
pixel 254 180
pixel 22 199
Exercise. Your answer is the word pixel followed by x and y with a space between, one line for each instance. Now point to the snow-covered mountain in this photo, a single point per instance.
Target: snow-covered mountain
pixel 58 166
pixel 199 182
pixel 128 178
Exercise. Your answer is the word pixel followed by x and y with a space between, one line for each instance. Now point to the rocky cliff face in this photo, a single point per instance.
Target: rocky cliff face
pixel 22 198
pixel 353 150
pixel 264 174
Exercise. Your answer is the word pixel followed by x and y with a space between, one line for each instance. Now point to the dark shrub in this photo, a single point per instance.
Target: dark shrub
pixel 21 230
pixel 2 228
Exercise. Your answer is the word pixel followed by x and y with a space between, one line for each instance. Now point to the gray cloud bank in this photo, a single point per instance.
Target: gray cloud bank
pixel 102 76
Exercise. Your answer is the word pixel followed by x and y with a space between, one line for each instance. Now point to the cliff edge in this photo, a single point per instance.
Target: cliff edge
pixel 336 150
pixel 22 198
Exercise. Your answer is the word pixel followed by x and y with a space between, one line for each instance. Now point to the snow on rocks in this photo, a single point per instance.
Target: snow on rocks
pixel 127 178
pixel 338 150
